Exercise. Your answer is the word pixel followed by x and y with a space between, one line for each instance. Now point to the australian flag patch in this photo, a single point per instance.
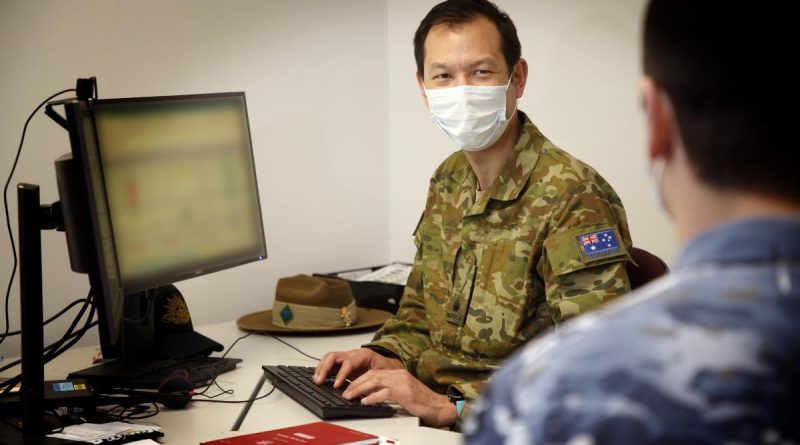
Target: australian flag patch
pixel 599 244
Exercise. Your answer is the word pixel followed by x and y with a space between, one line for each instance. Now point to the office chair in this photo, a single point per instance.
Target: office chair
pixel 647 268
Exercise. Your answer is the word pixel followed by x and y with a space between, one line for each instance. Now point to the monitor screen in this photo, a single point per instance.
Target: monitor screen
pixel 157 190
pixel 180 185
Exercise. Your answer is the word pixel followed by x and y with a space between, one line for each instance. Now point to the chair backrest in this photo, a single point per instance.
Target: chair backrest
pixel 647 268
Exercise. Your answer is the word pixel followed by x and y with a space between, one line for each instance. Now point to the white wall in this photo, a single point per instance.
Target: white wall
pixel 343 146
pixel 315 77
pixel 584 59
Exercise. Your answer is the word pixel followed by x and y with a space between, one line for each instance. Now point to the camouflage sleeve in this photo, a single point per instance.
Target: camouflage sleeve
pixel 406 334
pixel 584 255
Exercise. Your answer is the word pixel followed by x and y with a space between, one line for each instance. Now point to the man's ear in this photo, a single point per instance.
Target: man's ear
pixel 520 74
pixel 421 84
pixel 662 128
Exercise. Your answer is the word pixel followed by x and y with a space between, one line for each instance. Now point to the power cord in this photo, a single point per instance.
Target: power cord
pixel 293 347
pixel 54 317
pixel 58 347
pixel 237 401
pixel 5 206
pixel 214 380
pixel 208 399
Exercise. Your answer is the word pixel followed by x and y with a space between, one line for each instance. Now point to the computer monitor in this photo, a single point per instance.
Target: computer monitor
pixel 156 190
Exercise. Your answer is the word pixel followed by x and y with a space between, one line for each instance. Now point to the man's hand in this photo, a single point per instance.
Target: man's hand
pixel 399 386
pixel 352 364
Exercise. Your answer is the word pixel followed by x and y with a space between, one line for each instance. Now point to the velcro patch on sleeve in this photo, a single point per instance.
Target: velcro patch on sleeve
pixel 599 244
pixel 583 247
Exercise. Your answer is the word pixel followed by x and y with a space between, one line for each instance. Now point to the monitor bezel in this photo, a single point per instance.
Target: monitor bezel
pixel 109 298
pixel 180 274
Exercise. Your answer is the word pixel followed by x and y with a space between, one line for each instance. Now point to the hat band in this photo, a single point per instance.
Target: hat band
pixel 301 316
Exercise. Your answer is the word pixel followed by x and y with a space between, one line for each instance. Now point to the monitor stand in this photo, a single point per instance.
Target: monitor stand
pixel 32 219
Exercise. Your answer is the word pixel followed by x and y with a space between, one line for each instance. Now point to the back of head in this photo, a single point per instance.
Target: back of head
pixel 725 65
pixel 458 12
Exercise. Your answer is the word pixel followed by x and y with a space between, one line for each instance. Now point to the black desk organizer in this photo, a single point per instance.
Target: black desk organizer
pixel 371 294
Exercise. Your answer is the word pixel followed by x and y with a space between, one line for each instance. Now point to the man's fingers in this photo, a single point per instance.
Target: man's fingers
pixel 381 395
pixel 324 367
pixel 344 371
pixel 321 368
pixel 365 384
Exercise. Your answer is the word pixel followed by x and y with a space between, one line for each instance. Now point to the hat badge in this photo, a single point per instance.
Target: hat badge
pixel 176 311
pixel 286 314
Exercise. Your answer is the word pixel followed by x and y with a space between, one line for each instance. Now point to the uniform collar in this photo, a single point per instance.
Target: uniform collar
pixel 515 172
pixel 748 240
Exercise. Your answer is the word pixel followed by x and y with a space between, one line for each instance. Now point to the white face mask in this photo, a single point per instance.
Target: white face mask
pixel 474 117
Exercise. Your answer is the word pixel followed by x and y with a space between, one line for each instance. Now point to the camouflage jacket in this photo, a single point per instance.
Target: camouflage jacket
pixel 709 354
pixel 490 274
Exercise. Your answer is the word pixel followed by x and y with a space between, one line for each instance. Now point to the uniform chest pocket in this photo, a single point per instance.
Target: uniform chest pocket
pixel 500 299
pixel 438 261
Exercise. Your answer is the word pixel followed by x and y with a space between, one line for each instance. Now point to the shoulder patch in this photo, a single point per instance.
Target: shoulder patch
pixel 584 247
pixel 598 244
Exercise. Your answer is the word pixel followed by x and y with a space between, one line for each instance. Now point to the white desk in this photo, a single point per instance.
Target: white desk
pixel 202 421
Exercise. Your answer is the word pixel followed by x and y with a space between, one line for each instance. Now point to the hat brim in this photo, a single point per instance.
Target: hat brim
pixel 262 322
pixel 186 344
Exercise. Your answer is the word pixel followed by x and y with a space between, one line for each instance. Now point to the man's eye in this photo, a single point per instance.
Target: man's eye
pixel 441 76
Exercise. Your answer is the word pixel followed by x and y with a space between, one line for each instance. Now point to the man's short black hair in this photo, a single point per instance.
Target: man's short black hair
pixel 459 12
pixel 724 64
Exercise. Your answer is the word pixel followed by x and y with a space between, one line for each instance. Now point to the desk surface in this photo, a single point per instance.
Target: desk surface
pixel 202 421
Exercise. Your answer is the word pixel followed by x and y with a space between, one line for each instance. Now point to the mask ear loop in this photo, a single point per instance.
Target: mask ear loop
pixel 657 177
pixel 506 115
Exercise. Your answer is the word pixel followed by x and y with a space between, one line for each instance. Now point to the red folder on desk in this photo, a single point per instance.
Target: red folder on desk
pixel 317 433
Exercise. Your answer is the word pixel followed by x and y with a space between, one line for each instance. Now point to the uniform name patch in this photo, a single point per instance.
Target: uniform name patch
pixel 599 244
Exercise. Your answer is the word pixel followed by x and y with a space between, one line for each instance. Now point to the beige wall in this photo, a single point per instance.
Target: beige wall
pixel 343 146
pixel 582 93
pixel 314 74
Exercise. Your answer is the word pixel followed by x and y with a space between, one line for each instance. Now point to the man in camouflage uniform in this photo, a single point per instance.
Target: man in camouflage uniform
pixel 711 353
pixel 516 236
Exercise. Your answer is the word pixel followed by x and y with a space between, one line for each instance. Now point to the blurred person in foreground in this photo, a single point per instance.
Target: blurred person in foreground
pixel 709 354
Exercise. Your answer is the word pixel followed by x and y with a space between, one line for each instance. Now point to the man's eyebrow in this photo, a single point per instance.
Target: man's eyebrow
pixel 485 61
pixel 438 66
pixel 490 61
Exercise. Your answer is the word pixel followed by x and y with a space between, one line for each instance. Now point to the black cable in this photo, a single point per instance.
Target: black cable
pixel 74 337
pixel 236 401
pixel 293 347
pixel 5 205
pixel 214 379
pixel 56 348
pixel 48 348
pixel 54 317
pixel 9 384
pixel 234 343
pixel 54 351
pixel 140 411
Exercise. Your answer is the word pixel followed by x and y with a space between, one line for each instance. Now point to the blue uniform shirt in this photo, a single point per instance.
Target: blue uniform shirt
pixel 709 354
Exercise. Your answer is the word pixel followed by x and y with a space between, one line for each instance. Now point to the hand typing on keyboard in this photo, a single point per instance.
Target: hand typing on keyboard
pixel 351 364
pixel 376 378
pixel 323 400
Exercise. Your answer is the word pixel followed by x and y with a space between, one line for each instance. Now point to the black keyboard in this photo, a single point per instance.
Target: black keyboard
pixel 323 400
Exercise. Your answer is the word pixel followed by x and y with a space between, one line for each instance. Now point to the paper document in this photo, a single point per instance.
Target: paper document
pixel 90 432
pixel 395 273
